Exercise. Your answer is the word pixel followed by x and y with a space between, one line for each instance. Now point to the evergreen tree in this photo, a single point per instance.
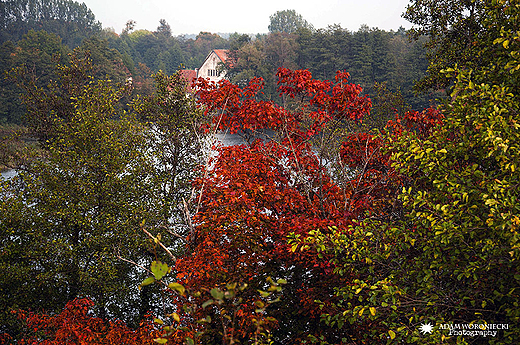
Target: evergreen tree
pixel 38 51
pixel 72 21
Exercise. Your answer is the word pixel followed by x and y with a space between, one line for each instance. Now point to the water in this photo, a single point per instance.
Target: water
pixel 236 139
pixel 8 174
pixel 225 138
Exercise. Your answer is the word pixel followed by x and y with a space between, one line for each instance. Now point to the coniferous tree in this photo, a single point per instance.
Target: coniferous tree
pixel 69 19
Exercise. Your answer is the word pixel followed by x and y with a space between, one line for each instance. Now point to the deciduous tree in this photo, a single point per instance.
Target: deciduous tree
pixel 75 325
pixel 287 21
pixel 76 209
pixel 452 256
pixel 255 195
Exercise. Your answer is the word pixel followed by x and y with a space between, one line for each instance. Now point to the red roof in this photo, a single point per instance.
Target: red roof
pixel 222 54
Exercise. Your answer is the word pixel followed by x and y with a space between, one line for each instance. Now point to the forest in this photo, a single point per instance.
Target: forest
pixel 370 55
pixel 374 198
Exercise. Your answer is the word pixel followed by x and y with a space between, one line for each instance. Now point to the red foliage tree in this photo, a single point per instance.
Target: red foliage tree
pixel 74 325
pixel 255 196
pixel 422 123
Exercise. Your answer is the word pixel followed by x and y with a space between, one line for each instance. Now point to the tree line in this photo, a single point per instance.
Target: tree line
pixel 370 56
pixel 32 32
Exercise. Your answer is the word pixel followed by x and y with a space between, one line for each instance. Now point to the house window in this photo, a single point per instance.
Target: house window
pixel 212 73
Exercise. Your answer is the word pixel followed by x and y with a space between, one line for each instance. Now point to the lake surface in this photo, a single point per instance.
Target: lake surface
pixel 237 139
pixel 8 174
pixel 225 138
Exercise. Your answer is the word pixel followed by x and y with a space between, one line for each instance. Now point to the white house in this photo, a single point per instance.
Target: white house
pixel 209 68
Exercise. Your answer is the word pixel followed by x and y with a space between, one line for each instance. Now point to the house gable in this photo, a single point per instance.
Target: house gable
pixel 210 66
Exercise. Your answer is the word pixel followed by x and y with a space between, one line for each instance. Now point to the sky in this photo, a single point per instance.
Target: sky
pixel 229 16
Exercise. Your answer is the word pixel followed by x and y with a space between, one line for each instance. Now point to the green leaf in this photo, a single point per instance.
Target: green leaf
pixel 208 302
pixel 159 269
pixel 264 293
pixel 161 340
pixel 217 294
pixel 147 281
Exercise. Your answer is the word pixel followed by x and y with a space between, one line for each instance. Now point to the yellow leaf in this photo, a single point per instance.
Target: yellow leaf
pixel 392 334
pixel 373 311
pixel 177 287
pixel 176 317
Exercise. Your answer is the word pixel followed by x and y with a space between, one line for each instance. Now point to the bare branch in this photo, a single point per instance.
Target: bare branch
pixel 160 244
pixel 134 263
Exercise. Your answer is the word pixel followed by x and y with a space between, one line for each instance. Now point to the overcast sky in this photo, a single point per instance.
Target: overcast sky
pixel 228 16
